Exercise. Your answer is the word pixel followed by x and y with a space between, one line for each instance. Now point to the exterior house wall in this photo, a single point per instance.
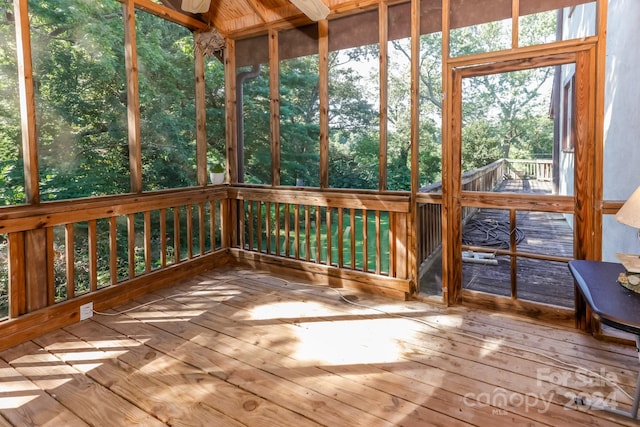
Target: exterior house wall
pixel 622 114
pixel 622 121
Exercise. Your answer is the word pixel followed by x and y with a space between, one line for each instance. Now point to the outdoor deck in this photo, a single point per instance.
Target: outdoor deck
pixel 234 348
pixel 541 232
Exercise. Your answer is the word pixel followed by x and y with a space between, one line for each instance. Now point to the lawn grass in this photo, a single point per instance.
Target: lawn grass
pixel 311 235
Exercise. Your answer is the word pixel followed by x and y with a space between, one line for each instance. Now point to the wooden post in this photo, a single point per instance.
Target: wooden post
pixel 35 246
pixel 323 70
pixel 201 116
pixel 133 99
pixel 27 103
pixel 274 91
pixel 383 25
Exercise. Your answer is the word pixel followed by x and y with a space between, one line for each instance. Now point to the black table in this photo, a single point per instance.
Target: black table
pixel 611 303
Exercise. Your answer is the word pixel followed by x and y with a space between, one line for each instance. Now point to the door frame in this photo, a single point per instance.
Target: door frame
pixel 580 204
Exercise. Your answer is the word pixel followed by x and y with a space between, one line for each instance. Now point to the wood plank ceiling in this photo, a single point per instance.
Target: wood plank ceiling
pixel 241 18
pixel 232 18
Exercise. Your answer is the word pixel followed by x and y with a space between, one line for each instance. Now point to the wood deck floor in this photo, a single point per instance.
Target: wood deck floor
pixel 235 348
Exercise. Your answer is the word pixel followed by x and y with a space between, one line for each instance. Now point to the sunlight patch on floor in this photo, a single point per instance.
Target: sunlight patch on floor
pixel 290 310
pixel 351 341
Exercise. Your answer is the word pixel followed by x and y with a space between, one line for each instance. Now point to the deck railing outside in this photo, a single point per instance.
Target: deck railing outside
pixel 487 178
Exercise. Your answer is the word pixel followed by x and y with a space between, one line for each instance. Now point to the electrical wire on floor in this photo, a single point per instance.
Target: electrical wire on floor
pixel 353 302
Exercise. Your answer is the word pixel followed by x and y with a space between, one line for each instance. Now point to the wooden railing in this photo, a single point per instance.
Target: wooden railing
pixel 78 248
pixel 538 169
pixel 63 255
pixel 484 179
pixel 57 256
pixel 360 232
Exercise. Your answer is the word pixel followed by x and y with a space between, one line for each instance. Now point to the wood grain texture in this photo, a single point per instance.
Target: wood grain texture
pixel 239 347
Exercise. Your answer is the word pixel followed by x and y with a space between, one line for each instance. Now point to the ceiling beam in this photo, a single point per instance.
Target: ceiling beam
pixel 259 9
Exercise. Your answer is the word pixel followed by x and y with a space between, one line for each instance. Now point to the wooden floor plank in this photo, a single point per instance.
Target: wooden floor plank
pixel 560 400
pixel 382 404
pixel 198 389
pixel 296 398
pixel 263 352
pixel 66 384
pixel 24 403
pixel 241 348
pixel 153 393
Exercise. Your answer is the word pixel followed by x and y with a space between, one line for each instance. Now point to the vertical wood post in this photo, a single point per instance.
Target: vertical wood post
pixel 323 71
pixel 383 28
pixel 201 116
pixel 133 99
pixel 274 91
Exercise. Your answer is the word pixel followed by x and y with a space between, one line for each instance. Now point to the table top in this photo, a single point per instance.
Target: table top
pixel 616 305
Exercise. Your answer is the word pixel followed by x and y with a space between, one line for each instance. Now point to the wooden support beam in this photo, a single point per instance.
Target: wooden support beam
pixel 274 90
pixel 27 103
pixel 230 110
pixel 133 97
pixel 411 251
pixel 323 70
pixel 175 16
pixel 383 27
pixel 201 116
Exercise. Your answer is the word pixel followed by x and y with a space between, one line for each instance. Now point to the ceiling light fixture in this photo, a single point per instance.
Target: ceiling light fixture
pixel 316 10
pixel 196 6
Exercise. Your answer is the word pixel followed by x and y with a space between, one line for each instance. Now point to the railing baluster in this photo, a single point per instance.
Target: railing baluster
pixel 212 225
pixel 93 255
pixel 352 224
pixel 277 228
pixel 242 216
pixel 69 255
pixel 163 237
pixel 365 240
pixel 378 244
pixel 296 228
pixel 189 242
pixel 131 244
pixel 250 217
pixel 268 225
pixel 307 232
pixel 176 235
pixel 340 237
pixel 392 244
pixel 17 292
pixel 201 227
pixel 259 226
pixel 318 234
pixel 287 229
pixel 113 250
pixel 147 241
pixel 329 247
